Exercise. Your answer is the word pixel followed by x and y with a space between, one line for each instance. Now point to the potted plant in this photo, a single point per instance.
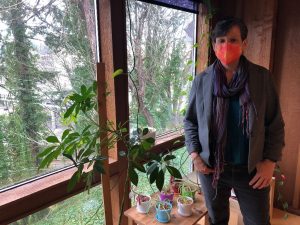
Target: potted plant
pixel 143 203
pixel 166 194
pixel 188 190
pixel 184 205
pixel 175 185
pixel 83 147
pixel 150 133
pixel 163 211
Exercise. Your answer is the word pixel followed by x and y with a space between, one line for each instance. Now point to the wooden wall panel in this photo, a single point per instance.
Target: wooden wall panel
pixel 260 18
pixel 286 73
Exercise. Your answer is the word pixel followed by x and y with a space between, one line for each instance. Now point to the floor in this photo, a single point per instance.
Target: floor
pixel 278 219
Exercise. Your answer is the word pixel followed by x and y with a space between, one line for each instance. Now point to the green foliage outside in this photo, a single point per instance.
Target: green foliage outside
pixel 82 209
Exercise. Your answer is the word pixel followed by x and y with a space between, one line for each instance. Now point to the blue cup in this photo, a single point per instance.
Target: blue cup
pixel 163 215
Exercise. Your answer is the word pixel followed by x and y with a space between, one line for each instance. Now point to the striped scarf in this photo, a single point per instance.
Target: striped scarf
pixel 221 94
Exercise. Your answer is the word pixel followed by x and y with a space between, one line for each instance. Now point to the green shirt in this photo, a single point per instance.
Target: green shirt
pixel 237 147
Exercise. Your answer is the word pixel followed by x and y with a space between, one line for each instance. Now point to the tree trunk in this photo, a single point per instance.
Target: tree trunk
pixel 27 102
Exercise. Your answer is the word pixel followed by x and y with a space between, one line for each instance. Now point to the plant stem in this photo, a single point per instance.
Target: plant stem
pixel 123 199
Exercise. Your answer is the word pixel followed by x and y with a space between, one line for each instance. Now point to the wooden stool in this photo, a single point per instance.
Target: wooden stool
pixel 199 211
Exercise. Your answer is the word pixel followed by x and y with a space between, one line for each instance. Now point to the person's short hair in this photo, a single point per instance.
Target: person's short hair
pixel 223 26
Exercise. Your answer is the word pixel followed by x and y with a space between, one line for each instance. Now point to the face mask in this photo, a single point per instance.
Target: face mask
pixel 228 53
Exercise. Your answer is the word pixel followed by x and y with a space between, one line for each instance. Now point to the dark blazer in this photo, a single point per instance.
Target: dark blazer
pixel 266 138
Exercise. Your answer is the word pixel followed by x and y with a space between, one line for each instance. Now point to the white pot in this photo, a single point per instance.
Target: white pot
pixel 185 209
pixel 150 134
pixel 143 207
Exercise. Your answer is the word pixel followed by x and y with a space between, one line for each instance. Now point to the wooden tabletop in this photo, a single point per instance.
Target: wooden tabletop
pixel 199 211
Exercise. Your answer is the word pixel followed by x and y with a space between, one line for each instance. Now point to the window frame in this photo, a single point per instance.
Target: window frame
pixel 31 197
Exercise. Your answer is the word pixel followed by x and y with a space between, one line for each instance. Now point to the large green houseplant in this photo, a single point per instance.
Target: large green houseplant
pixel 83 146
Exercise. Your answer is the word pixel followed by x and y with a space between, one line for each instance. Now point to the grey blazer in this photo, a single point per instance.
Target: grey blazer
pixel 266 128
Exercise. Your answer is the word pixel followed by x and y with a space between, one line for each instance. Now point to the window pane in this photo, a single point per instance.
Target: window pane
pixel 83 209
pixel 160 56
pixel 47 50
pixel 186 5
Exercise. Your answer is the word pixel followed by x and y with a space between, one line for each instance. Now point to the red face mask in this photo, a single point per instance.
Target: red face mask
pixel 228 53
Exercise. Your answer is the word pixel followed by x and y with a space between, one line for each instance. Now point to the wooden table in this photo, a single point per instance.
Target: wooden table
pixel 199 211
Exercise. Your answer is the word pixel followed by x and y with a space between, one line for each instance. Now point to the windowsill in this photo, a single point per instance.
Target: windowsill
pixel 41 193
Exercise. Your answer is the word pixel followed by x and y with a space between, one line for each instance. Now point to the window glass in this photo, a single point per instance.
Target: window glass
pixel 186 5
pixel 83 209
pixel 160 44
pixel 47 50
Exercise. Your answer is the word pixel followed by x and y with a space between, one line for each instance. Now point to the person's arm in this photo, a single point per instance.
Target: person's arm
pixel 274 138
pixel 191 132
pixel 191 123
pixel 274 125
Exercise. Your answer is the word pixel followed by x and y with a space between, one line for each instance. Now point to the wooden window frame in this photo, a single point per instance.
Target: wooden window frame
pixel 32 197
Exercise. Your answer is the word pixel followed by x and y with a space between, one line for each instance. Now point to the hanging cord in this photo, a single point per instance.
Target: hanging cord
pixel 133 66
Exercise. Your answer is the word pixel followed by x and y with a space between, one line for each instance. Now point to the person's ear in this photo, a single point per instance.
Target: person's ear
pixel 244 45
pixel 214 46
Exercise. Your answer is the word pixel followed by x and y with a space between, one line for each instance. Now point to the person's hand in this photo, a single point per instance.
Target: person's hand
pixel 263 176
pixel 199 164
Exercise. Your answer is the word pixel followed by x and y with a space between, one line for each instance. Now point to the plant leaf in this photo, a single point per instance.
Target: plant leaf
pixel 189 62
pixel 73 181
pixel 46 151
pixel 98 166
pixel 65 134
pixel 83 89
pixel 160 180
pixel 69 111
pixel 134 178
pixel 68 156
pixel 145 131
pixel 190 78
pixel 139 167
pixel 146 145
pixel 152 167
pixel 285 205
pixel 49 158
pixel 150 140
pixel 95 86
pixel 169 157
pixel 153 175
pixel 52 139
pixel 174 172
pixel 176 142
pixel 117 73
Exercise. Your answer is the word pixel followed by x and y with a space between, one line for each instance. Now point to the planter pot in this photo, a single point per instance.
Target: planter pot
pixel 143 206
pixel 150 134
pixel 184 205
pixel 175 186
pixel 163 214
pixel 166 196
pixel 188 191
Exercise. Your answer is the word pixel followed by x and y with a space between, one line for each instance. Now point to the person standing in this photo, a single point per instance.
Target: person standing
pixel 234 131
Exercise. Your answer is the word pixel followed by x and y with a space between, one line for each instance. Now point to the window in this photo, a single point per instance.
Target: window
pixel 60 39
pixel 160 59
pixel 47 50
